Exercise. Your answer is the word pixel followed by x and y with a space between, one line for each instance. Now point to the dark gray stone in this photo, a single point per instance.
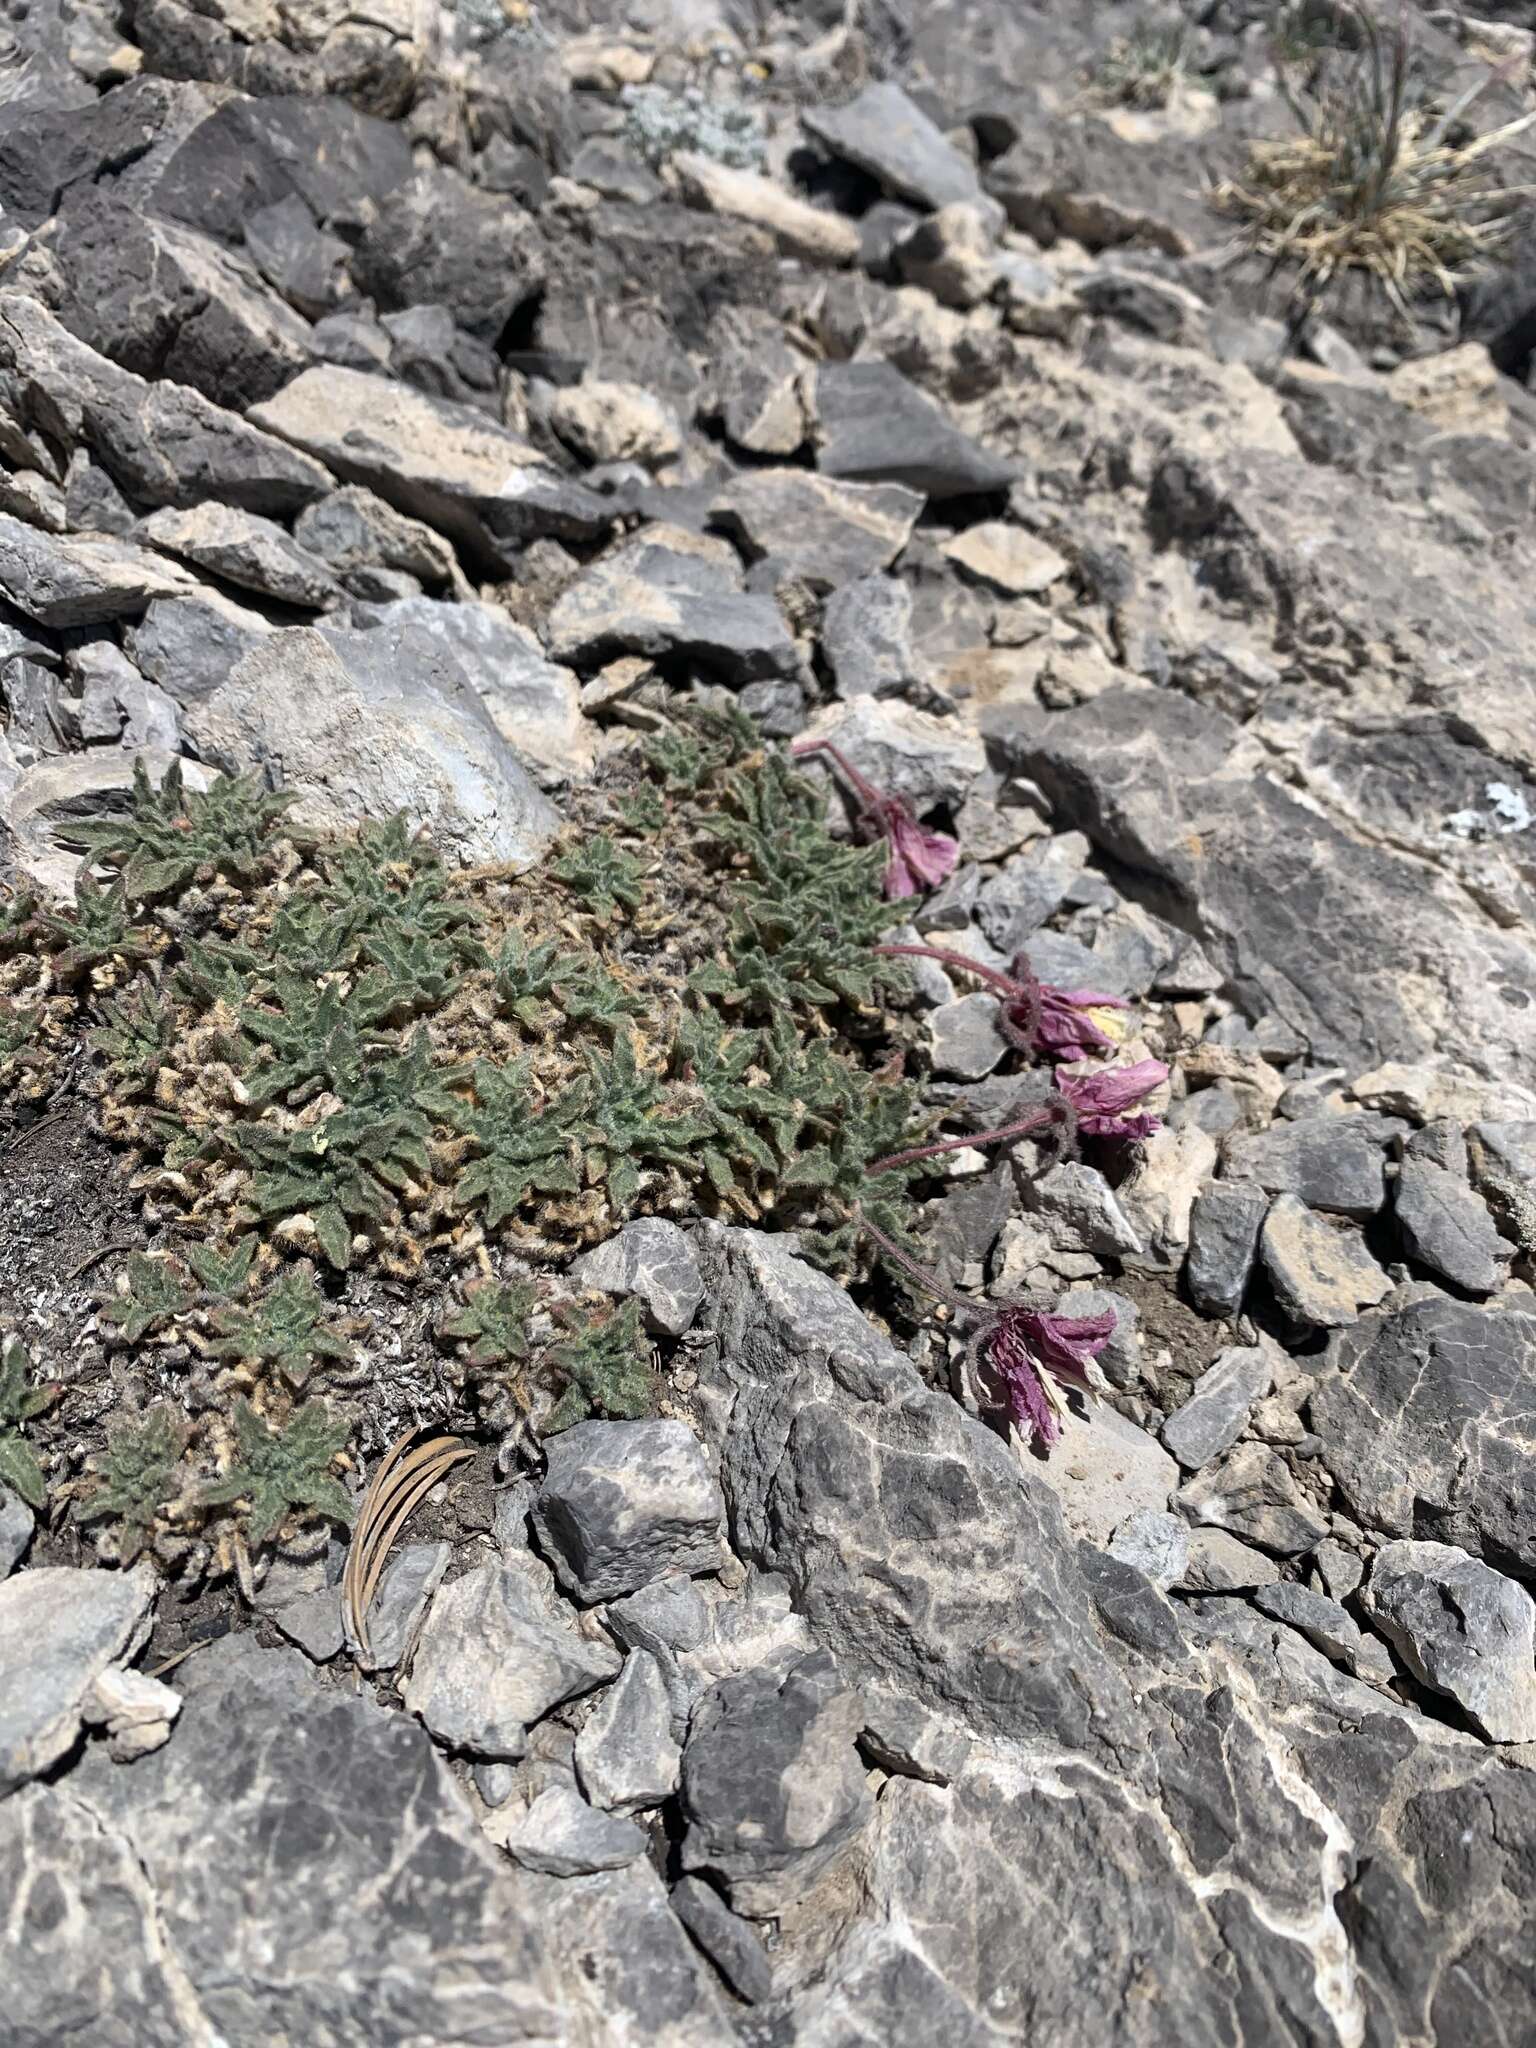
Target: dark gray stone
pixel 493 1658
pixel 352 529
pixel 732 1944
pixel 165 301
pixel 884 133
pixel 1463 1630
pixel 1442 1143
pixel 399 1605
pixel 429 350
pixel 1217 1412
pixel 626 1755
pixel 1429 1425
pixel 652 1259
pixel 16 1525
pixel 1332 1163
pixel 1322 1275
pixel 81 579
pixel 60 1628
pixel 1224 1227
pixel 651 600
pixel 161 443
pixel 875 426
pixel 352 341
pixel 1327 1627
pixel 773 1789
pixel 623 1503
pixel 439 241
pixel 395 1918
pixel 1252 1495
pixel 826 532
pixel 188 645
pixel 1027 889
pixel 564 1837
pixel 965 1039
pixel 1446 1226
pixel 305 263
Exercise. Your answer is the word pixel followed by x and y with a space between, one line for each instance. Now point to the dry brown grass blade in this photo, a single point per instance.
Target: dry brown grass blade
pixel 404 1477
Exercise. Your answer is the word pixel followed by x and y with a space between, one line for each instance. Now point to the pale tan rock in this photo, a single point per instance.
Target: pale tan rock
pixel 1460 391
pixel 612 422
pixel 799 229
pixel 1007 557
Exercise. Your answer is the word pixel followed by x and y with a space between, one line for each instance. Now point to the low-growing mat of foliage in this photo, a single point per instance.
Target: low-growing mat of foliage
pixel 343 1075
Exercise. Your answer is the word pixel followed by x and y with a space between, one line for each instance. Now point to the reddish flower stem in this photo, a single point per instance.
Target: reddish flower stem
pixel 866 791
pixel 945 958
pixel 1046 1113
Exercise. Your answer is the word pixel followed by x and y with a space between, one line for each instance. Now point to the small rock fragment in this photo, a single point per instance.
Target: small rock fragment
pixel 1156 1543
pixel 1224 1227
pixel 625 1502
pixel 60 1628
pixel 886 134
pixel 965 1039
pixel 1217 1412
pixel 1251 1493
pixel 626 1757
pixel 135 1709
pixel 732 1944
pixel 1463 1629
pixel 1331 1163
pixel 1446 1226
pixel 877 427
pixel 1007 557
pixel 1322 1276
pixel 1081 1211
pixel 1326 1627
pixel 651 1259
pixel 563 1836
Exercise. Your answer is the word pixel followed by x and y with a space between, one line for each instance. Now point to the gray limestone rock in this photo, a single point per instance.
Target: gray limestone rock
pixel 909 1740
pixel 876 427
pixel 1156 1543
pixel 1222 1563
pixel 399 1604
pixel 1322 1275
pixel 649 600
pixel 361 732
pixel 188 645
pixel 437 240
pixel 965 1039
pixel 1251 1494
pixel 350 1886
pixel 448 464
pixel 626 1756
pixel 161 443
pixel 773 1790
pixel 732 1944
pixel 60 1628
pixel 866 637
pixel 1027 889
pixel 16 1525
pixel 81 579
pixel 353 530
pixel 623 1503
pixel 163 300
pixel 1327 1627
pixel 652 1260
pixel 564 1837
pixel 1332 1163
pixel 1428 1424
pixel 1446 1226
pixel 827 532
pixel 242 548
pixel 1224 1227
pixel 492 1659
pixel 886 134
pixel 305 263
pixel 1217 1412
pixel 1105 1469
pixel 1463 1630
pixel 1078 1208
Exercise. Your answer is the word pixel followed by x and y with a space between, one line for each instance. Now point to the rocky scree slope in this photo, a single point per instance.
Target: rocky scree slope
pixel 406 419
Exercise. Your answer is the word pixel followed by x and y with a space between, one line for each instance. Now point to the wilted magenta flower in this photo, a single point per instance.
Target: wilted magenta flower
pixel 1030 1349
pixel 920 859
pixel 1102 1101
pixel 1067 1025
pixel 1034 1015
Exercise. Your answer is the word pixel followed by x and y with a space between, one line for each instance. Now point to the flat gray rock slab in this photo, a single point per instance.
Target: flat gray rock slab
pixel 886 134
pixel 60 1628
pixel 348 1886
pixel 876 427
pixel 1462 1629
pixel 1217 1412
pixel 1333 1163
pixel 626 1502
pixel 626 1755
pixel 1322 1274
pixel 648 601
pixel 732 1943
pixel 828 531
pixel 73 579
pixel 1446 1226
pixel 773 1787
pixel 1327 1626
pixel 492 1659
pixel 1430 1421
pixel 243 548
pixel 1250 1493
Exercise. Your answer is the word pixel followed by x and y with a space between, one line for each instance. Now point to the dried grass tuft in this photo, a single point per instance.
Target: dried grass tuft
pixel 405 1476
pixel 1379 183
